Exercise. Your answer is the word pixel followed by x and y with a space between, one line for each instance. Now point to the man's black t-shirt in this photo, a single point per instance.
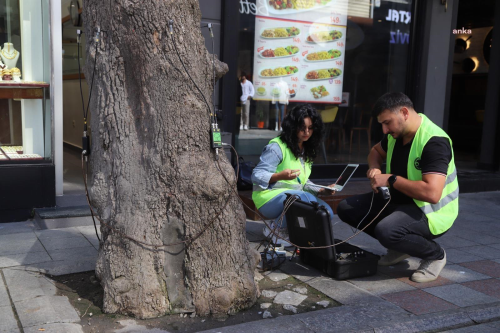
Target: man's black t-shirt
pixel 435 158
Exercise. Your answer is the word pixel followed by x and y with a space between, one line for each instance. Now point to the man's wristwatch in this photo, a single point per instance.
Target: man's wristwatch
pixel 392 179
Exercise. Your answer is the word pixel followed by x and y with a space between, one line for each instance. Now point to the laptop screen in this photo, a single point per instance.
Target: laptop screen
pixel 346 174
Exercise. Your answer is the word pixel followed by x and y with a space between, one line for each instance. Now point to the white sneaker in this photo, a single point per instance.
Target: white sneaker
pixel 392 257
pixel 241 127
pixel 282 233
pixel 428 270
pixel 276 128
pixel 245 127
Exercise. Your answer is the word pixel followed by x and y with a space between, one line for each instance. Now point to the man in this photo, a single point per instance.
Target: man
pixel 247 93
pixel 421 174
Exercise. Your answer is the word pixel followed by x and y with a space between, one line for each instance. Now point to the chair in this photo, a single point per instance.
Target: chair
pixel 361 128
pixel 328 117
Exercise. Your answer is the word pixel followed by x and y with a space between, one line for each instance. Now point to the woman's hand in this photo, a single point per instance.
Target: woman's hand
pixel 289 174
pixel 326 191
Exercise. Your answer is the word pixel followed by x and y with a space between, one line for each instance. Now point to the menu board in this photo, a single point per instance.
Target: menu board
pixel 299 49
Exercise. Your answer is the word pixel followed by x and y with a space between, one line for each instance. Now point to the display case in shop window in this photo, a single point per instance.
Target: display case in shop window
pixel 25 113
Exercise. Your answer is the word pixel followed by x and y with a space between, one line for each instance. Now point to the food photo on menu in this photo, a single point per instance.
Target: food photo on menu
pixel 309 48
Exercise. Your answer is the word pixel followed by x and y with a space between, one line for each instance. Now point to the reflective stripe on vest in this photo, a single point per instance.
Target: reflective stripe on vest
pixel 260 196
pixel 442 214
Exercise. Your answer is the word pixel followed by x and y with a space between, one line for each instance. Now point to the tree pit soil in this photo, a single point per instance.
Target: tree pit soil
pixel 85 294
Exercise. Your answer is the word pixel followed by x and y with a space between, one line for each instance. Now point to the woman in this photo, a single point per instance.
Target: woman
pixel 285 166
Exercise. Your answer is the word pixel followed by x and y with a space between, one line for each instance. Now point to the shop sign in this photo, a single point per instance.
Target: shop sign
pixel 398 16
pixel 251 8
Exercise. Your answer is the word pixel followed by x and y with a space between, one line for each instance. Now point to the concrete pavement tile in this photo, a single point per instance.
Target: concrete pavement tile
pixel 65 243
pixel 4 297
pixel 458 256
pixel 276 275
pixel 278 325
pixel 380 284
pixel 351 318
pixel 64 267
pixel 16 228
pixel 483 251
pixel 343 291
pixel 46 310
pixel 489 287
pixel 76 254
pixel 496 246
pixel 484 313
pixel 55 328
pixel 89 230
pixel 481 328
pixel 436 323
pixel 457 273
pixel 451 242
pixel 8 322
pixel 479 237
pixel 495 324
pixel 49 234
pixel 16 246
pixel 440 281
pixel 29 258
pixel 25 285
pixel 418 302
pixel 486 267
pixel 460 295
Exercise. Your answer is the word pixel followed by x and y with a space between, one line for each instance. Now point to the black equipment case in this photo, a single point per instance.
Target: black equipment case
pixel 309 226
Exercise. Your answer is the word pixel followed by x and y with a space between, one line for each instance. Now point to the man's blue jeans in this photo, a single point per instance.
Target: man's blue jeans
pixel 274 207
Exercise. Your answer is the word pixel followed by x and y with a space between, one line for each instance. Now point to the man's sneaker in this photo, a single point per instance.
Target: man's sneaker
pixel 428 270
pixel 392 258
pixel 241 127
pixel 283 233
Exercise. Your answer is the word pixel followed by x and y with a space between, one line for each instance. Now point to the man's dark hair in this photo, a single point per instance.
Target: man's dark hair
pixel 293 122
pixel 392 101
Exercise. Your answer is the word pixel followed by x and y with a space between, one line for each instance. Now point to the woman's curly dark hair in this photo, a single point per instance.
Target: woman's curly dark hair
pixel 293 122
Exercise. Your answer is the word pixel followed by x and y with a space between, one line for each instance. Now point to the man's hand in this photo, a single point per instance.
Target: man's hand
pixel 249 97
pixel 379 180
pixel 288 174
pixel 372 172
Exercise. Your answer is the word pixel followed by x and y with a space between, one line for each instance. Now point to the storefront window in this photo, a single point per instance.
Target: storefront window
pixel 25 117
pixel 339 55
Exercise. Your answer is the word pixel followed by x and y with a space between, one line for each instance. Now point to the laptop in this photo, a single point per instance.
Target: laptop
pixel 342 180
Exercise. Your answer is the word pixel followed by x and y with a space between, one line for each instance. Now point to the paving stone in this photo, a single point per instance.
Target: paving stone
pixel 65 243
pixel 64 267
pixel 48 234
pixel 301 290
pixel 450 242
pixel 16 228
pixel 484 313
pixel 289 297
pixel 11 260
pixel 14 246
pixel 269 293
pixel 427 324
pixel 277 325
pixel 55 328
pixel 4 297
pixel 265 305
pixel 25 285
pixel 460 295
pixel 75 254
pixel 440 281
pixel 486 267
pixel 483 251
pixel 276 275
pixel 461 274
pixel 380 284
pixel 479 237
pixel 496 246
pixel 289 307
pixel 481 328
pixel 418 302
pixel 46 310
pixel 458 256
pixel 89 230
pixel 8 322
pixel 489 287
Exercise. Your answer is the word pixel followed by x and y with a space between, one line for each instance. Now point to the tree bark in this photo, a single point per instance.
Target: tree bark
pixel 153 175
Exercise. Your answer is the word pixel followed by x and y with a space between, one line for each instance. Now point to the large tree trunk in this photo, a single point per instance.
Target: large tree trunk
pixel 153 174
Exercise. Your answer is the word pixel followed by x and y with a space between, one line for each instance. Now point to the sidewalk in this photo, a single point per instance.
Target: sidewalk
pixel 466 297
